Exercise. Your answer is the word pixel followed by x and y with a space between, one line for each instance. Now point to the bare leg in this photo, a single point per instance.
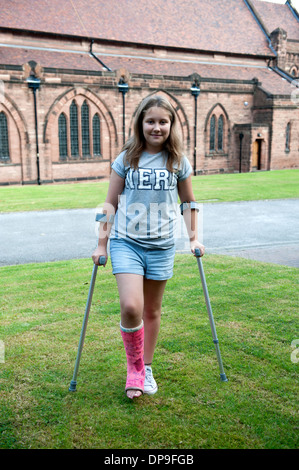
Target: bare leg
pixel 130 288
pixel 153 295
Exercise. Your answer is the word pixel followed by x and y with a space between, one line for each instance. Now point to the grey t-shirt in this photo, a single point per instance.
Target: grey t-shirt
pixel 148 205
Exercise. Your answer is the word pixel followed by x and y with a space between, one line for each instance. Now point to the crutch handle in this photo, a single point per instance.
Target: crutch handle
pixel 197 253
pixel 102 260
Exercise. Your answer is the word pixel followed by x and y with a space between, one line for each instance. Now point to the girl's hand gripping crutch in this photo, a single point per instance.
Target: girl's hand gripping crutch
pixel 209 308
pixel 102 262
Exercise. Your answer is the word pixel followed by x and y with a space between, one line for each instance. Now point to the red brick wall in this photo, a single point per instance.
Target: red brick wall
pixel 100 90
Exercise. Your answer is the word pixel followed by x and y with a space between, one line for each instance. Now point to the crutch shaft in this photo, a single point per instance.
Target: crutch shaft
pixel 73 383
pixel 210 313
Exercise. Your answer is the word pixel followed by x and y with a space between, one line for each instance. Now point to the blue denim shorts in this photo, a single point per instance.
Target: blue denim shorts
pixel 132 258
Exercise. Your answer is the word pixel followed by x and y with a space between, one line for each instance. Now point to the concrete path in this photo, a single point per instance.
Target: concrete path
pixel 261 230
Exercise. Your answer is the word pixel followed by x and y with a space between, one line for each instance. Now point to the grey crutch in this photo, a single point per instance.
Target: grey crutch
pixel 209 308
pixel 73 384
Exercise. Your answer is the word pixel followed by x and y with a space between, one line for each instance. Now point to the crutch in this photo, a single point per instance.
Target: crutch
pixel 209 308
pixel 102 261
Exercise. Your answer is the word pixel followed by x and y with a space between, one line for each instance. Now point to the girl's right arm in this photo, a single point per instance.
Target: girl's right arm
pixel 115 189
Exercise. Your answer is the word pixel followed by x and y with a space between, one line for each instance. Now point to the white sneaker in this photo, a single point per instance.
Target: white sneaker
pixel 150 385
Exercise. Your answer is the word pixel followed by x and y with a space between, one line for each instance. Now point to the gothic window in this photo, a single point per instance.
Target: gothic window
pixel 62 134
pixel 4 148
pixel 220 133
pixel 288 137
pixel 85 129
pixel 212 132
pixel 96 133
pixel 74 129
pixel 216 132
pixel 79 131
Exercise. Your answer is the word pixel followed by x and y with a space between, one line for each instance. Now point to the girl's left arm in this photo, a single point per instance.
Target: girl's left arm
pixel 186 194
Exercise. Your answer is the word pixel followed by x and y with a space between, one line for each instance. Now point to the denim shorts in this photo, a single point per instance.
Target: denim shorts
pixel 132 258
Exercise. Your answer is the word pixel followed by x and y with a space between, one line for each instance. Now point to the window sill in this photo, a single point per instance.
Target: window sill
pixel 73 161
pixel 216 154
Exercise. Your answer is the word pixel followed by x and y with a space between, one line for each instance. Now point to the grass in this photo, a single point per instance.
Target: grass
pixel 211 188
pixel 255 307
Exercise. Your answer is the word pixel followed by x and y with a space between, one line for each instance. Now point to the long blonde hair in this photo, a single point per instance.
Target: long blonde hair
pixel 135 144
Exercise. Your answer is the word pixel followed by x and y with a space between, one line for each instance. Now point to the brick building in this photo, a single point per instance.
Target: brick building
pixel 64 116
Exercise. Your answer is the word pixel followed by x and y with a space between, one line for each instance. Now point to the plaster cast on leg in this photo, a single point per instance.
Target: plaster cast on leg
pixel 133 340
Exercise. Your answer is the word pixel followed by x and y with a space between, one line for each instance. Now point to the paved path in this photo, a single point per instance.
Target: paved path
pixel 261 230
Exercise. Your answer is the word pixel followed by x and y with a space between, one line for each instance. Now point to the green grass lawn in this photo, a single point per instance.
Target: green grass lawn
pixel 255 308
pixel 210 188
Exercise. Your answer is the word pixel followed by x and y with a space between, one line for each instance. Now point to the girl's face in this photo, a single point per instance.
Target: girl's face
pixel 156 126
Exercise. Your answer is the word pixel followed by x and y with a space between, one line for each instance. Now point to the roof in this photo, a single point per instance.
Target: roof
pixel 205 25
pixel 276 15
pixel 147 65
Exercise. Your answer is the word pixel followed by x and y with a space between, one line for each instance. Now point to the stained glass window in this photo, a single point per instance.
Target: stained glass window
pixel 212 132
pixel 220 133
pixel 85 129
pixel 74 129
pixel 4 148
pixel 96 132
pixel 62 134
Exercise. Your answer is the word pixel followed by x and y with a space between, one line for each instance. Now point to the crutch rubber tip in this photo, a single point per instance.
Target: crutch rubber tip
pixel 73 386
pixel 223 378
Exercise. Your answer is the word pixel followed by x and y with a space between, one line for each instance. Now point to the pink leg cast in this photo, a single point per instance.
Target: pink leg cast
pixel 134 345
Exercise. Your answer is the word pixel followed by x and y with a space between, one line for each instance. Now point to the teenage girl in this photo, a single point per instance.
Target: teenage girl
pixel 146 180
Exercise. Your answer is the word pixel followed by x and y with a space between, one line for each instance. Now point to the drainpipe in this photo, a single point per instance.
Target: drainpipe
pixel 96 58
pixel 34 83
pixel 123 87
pixel 241 135
pixel 195 90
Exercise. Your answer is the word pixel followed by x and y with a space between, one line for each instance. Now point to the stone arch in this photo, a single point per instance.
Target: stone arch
pixel 81 94
pixel 18 137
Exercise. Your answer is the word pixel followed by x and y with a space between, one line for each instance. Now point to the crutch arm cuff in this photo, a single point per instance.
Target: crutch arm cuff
pixel 102 218
pixel 189 205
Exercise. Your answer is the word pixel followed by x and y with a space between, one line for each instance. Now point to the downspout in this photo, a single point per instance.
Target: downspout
pixel 97 59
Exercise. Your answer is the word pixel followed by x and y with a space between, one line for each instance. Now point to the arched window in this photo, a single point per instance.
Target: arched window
pixel 85 129
pixel 288 137
pixel 212 132
pixel 220 133
pixel 62 134
pixel 217 132
pixel 74 129
pixel 4 148
pixel 96 133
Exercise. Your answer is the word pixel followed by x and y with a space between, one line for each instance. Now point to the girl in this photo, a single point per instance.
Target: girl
pixel 145 182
